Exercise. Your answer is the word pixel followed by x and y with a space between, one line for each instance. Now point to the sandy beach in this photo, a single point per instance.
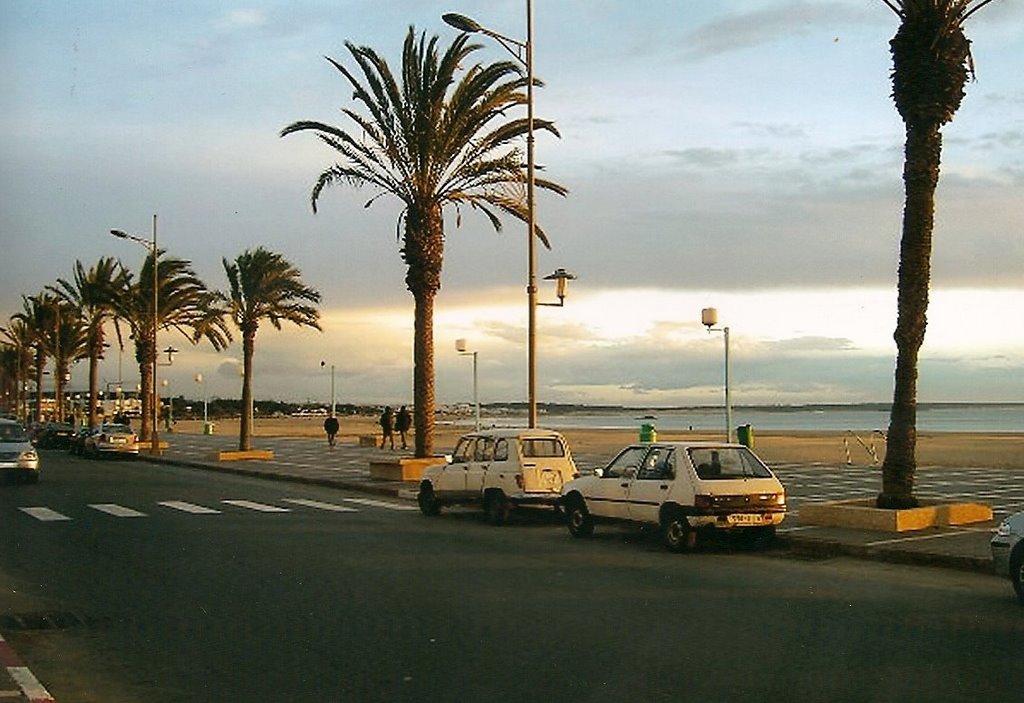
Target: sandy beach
pixel 953 449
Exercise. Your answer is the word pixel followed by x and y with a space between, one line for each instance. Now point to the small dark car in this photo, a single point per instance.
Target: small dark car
pixel 54 435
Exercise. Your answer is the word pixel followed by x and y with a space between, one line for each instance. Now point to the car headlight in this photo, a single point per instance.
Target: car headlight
pixel 30 455
pixel 1004 529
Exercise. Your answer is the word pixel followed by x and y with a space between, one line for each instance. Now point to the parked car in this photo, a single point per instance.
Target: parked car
pixel 684 488
pixel 77 444
pixel 1008 552
pixel 18 458
pixel 54 435
pixel 111 439
pixel 499 469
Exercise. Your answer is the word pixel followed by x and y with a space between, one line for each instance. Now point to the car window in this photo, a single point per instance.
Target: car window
pixel 463 450
pixel 484 449
pixel 538 447
pixel 501 450
pixel 659 464
pixel 727 463
pixel 12 433
pixel 117 429
pixel 628 458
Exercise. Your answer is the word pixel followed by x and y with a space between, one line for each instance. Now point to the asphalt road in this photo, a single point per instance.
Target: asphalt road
pixel 183 585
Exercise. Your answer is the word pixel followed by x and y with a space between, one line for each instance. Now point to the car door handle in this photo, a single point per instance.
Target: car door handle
pixel 664 486
pixel 623 485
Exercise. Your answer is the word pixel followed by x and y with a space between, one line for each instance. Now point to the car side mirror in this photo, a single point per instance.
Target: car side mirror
pixel 448 458
pixel 599 472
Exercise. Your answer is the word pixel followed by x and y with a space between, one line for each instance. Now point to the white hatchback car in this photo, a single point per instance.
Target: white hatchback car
pixel 683 488
pixel 499 469
pixel 18 458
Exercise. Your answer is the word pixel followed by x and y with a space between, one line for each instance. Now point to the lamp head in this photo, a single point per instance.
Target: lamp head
pixel 460 345
pixel 709 317
pixel 461 22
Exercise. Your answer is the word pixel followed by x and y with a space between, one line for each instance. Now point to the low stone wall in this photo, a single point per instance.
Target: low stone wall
pixel 862 514
pixel 401 469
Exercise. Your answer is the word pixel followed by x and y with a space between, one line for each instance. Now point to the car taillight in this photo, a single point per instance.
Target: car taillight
pixel 519 481
pixel 702 501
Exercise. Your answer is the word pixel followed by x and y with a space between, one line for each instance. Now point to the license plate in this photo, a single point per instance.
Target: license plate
pixel 117 440
pixel 747 519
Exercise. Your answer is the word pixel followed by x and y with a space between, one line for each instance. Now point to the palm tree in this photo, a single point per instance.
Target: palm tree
pixel 931 64
pixel 19 338
pixel 430 142
pixel 185 304
pixel 92 293
pixel 264 286
pixel 66 341
pixel 38 316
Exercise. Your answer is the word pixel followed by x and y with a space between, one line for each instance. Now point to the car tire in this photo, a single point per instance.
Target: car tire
pixel 580 521
pixel 496 508
pixel 427 500
pixel 1017 572
pixel 679 536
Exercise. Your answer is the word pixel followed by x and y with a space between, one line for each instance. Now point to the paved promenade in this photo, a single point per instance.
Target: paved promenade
pixel 347 466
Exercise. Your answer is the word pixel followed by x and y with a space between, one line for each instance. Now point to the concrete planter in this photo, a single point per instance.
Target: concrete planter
pixel 236 455
pixel 401 468
pixel 862 514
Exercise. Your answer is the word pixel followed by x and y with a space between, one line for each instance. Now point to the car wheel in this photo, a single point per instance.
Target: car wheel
pixel 1017 573
pixel 496 508
pixel 580 522
pixel 427 500
pixel 679 536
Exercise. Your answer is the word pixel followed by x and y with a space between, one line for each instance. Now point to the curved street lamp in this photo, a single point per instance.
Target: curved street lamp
pixel 155 393
pixel 709 318
pixel 523 51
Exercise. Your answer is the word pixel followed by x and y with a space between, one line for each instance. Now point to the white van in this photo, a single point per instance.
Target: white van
pixel 499 469
pixel 682 487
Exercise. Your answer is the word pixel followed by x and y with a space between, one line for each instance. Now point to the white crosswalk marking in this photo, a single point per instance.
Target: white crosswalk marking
pixel 321 506
pixel 44 514
pixel 116 510
pixel 188 507
pixel 261 507
pixel 380 504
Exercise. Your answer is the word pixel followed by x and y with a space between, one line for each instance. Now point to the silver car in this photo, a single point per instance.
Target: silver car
pixel 18 458
pixel 1008 552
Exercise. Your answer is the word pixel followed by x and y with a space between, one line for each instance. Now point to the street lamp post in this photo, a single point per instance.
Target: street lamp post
pixel 523 51
pixel 151 244
pixel 709 318
pixel 322 365
pixel 206 417
pixel 460 346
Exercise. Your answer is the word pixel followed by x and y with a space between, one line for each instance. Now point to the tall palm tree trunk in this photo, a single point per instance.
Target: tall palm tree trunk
pixel 920 176
pixel 245 426
pixel 145 353
pixel 423 374
pixel 40 366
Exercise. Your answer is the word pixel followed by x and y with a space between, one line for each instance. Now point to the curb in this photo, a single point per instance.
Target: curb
pixel 826 549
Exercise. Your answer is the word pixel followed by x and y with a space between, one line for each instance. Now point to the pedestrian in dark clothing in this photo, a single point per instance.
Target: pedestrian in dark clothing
pixel 331 428
pixel 387 427
pixel 402 423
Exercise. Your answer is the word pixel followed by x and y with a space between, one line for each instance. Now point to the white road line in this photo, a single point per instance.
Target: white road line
pixel 44 514
pixel 188 507
pixel 116 510
pixel 380 504
pixel 261 507
pixel 321 506
pixel 22 675
pixel 919 538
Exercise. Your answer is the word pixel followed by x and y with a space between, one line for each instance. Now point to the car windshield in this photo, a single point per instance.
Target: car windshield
pixel 117 429
pixel 542 447
pixel 12 433
pixel 727 463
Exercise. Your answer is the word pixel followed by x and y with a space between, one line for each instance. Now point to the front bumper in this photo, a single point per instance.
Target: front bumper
pixel 1001 548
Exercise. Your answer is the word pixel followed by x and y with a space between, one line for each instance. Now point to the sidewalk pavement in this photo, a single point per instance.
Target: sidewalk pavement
pixel 346 466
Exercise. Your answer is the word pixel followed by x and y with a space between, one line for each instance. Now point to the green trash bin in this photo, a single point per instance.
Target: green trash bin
pixel 745 435
pixel 648 433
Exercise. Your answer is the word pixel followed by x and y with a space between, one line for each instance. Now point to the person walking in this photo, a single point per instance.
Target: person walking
pixel 387 427
pixel 402 423
pixel 331 428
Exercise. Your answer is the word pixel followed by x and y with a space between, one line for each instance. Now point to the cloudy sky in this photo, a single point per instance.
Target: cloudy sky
pixel 740 154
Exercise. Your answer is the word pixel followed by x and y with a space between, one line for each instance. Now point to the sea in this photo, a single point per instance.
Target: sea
pixel 931 417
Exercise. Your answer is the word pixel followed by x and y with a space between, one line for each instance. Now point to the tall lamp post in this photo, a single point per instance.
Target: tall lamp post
pixel 322 365
pixel 523 51
pixel 151 244
pixel 709 318
pixel 460 346
pixel 206 416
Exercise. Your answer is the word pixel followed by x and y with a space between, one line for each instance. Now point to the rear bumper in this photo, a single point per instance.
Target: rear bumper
pixel 551 499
